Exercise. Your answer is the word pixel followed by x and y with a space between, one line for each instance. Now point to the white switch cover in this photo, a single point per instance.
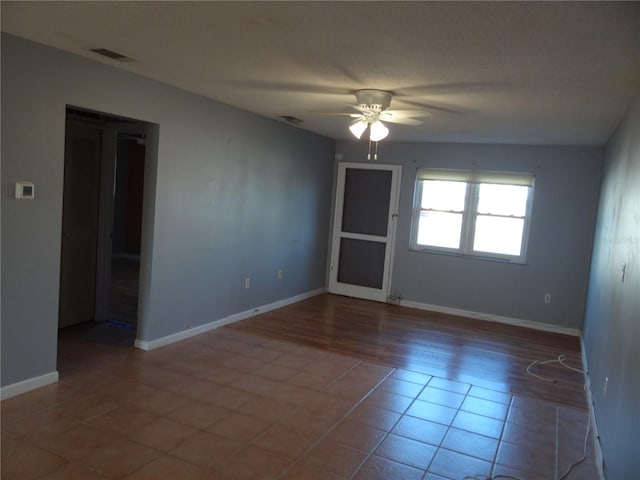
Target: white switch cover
pixel 25 190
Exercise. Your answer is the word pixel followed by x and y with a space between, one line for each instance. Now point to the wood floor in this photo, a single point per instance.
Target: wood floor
pixel 482 353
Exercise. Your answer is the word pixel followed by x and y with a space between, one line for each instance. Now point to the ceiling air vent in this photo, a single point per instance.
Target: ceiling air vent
pixel 292 120
pixel 110 54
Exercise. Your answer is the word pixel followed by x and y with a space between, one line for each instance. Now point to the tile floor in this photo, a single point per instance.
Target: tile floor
pixel 233 405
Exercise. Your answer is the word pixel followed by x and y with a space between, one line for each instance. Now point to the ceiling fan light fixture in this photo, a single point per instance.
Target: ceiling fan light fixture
pixel 378 131
pixel 358 127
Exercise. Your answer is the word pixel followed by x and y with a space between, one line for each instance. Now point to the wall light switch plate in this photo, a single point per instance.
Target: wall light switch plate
pixel 25 190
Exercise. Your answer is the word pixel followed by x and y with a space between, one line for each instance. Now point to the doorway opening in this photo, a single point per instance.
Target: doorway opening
pixel 105 162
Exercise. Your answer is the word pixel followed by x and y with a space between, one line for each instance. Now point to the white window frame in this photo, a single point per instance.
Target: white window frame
pixel 473 180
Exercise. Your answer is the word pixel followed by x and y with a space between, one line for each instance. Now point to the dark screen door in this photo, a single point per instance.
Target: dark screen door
pixel 364 230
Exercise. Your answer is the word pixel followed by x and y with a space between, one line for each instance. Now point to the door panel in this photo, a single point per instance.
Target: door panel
pixel 364 230
pixel 83 149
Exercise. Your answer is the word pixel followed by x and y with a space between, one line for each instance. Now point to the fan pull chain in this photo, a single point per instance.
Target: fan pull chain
pixel 375 155
pixel 369 154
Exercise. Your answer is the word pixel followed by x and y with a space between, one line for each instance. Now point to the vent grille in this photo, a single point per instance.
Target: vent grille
pixel 291 119
pixel 110 54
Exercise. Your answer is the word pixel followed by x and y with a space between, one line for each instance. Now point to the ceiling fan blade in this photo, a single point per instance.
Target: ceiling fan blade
pixel 288 87
pixel 402 121
pixel 450 88
pixel 344 114
pixel 431 106
pixel 407 113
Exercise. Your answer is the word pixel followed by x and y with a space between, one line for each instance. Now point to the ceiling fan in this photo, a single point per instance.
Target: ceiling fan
pixel 373 110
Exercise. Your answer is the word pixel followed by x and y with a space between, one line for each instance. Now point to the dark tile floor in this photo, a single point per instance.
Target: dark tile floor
pixel 234 405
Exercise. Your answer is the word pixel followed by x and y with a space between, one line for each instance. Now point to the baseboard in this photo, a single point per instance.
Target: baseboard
pixel 597 448
pixel 27 385
pixel 191 332
pixel 492 318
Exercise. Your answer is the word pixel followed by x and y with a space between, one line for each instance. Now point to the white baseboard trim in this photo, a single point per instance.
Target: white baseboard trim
pixel 236 317
pixel 492 318
pixel 597 448
pixel 27 385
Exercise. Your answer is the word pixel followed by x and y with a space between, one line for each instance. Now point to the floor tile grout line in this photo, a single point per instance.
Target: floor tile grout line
pixel 340 377
pixel 439 446
pixel 334 426
pixel 500 441
pixel 388 432
pixel 449 426
pixel 466 395
pixel 503 421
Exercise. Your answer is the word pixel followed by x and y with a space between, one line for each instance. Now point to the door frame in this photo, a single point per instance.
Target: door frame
pixel 152 132
pixel 368 293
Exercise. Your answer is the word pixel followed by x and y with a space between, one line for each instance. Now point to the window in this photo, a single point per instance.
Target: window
pixel 484 214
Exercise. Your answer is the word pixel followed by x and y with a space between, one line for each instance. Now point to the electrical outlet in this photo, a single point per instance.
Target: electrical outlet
pixel 280 274
pixel 247 282
pixel 394 299
pixel 547 298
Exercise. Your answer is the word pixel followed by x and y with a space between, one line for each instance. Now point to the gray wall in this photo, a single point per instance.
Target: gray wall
pixel 236 196
pixel 563 218
pixel 612 321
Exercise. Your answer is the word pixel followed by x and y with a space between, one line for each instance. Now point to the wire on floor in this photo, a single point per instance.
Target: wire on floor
pixel 561 360
pixel 584 451
pixel 564 475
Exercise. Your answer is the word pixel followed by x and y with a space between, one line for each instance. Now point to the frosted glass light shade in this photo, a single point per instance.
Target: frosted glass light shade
pixel 378 131
pixel 358 128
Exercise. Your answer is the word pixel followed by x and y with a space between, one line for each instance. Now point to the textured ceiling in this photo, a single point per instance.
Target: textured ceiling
pixel 521 72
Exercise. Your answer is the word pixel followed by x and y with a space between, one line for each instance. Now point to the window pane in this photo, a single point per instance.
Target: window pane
pixel 438 229
pixel 503 199
pixel 498 235
pixel 437 195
